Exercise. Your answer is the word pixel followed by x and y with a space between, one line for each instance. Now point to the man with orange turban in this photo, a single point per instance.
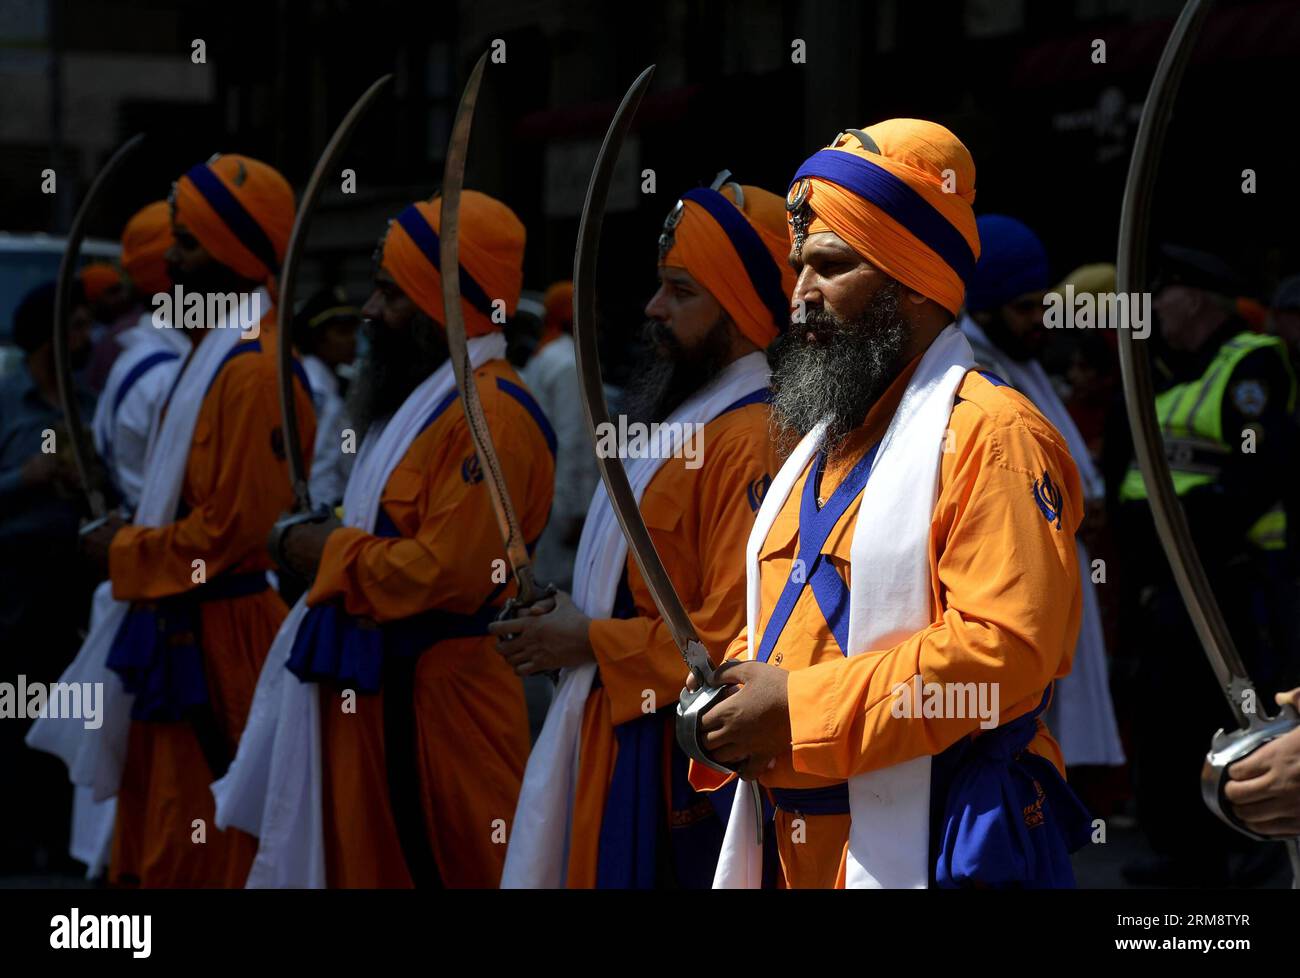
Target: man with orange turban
pixel 181 646
pixel 552 375
pixel 912 577
pixel 605 801
pixel 384 672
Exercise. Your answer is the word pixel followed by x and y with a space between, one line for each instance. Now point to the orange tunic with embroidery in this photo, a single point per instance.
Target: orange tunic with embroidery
pixel 699 520
pixel 1006 602
pixel 470 717
pixel 236 485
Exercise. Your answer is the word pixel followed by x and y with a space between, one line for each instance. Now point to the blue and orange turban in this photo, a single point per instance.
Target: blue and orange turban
pixel 491 258
pixel 900 193
pixel 737 251
pixel 240 210
pixel 145 242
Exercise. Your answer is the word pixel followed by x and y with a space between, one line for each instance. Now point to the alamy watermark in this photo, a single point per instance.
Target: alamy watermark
pixel 55 701
pixel 179 309
pixel 1100 310
pixel 946 701
pixel 636 439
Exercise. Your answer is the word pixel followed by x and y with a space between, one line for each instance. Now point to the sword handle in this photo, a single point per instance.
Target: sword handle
pixel 1226 749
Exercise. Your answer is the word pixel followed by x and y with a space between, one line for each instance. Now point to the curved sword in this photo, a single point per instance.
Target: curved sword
pixel 1256 729
pixel 449 260
pixel 302 508
pixel 289 277
pixel 694 704
pixel 89 468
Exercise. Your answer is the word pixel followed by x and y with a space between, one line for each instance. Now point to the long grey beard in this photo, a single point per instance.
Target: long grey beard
pixel 838 378
pixel 669 373
pixel 399 360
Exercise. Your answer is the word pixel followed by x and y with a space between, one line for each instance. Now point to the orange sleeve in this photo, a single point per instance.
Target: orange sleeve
pixel 1011 602
pixel 638 654
pixel 236 484
pixel 449 561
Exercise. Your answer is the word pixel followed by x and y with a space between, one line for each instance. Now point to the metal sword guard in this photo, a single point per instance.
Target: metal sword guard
pixel 1230 746
pixel 280 531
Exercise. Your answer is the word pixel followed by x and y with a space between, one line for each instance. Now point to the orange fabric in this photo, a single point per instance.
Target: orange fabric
pixel 97 278
pixel 699 520
pixel 1006 603
pixel 702 247
pixel 145 241
pixel 920 154
pixel 264 194
pixel 234 488
pixel 1254 312
pixel 471 716
pixel 491 251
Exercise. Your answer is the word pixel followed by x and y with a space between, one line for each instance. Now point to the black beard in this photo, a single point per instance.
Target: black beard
pixel 841 375
pixel 210 279
pixel 397 363
pixel 669 373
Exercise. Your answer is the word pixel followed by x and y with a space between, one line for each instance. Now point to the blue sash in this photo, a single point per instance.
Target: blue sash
pixel 1004 817
pixel 156 650
pixel 815 526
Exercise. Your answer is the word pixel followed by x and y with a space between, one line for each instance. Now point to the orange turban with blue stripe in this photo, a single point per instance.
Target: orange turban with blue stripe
pixel 735 246
pixel 145 242
pixel 240 210
pixel 491 258
pixel 900 193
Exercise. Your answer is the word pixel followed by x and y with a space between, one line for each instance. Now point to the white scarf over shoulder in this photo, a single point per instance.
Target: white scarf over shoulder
pixel 273 787
pixel 95 757
pixel 538 854
pixel 889 599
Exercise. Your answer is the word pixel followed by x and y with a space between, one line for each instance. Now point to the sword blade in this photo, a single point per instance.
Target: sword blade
pixel 592 390
pixel 289 278
pixel 457 343
pixel 1135 369
pixel 89 469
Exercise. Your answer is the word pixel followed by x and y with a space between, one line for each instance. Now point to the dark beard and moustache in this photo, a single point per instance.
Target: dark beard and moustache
pixel 673 373
pixel 398 361
pixel 841 375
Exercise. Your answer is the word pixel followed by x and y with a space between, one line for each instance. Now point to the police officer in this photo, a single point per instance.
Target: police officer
pixel 1225 403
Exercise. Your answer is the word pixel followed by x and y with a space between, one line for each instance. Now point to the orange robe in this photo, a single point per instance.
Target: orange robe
pixel 699 520
pixel 236 485
pixel 470 717
pixel 1006 602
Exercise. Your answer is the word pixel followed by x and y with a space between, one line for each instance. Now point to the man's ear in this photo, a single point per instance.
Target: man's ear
pixel 914 297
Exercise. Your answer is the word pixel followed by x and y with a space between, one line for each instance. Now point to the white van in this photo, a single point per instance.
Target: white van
pixel 27 260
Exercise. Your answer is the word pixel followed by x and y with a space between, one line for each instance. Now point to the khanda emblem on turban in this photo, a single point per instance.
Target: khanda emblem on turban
pixel 796 204
pixel 1048 497
pixel 668 236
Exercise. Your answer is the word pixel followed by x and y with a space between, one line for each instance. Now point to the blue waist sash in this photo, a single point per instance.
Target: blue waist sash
pixel 1006 817
pixel 335 647
pixel 156 650
pixel 831 800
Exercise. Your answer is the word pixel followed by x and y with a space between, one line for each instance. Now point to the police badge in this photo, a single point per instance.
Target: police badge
pixel 796 204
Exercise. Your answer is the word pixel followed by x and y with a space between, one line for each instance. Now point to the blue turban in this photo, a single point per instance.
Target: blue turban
pixel 1012 262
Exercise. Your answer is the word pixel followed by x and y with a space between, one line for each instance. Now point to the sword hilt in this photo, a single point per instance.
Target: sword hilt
pixel 280 531
pixel 1227 748
pixel 691 707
